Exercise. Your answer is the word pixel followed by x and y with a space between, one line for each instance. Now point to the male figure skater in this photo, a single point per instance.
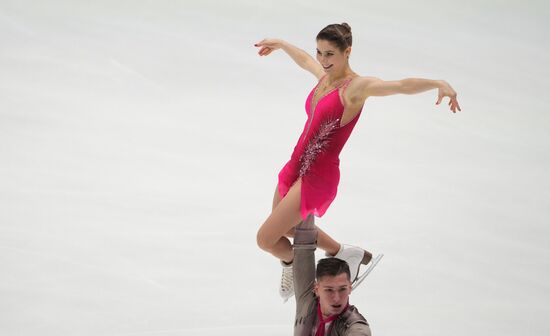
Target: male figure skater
pixel 322 295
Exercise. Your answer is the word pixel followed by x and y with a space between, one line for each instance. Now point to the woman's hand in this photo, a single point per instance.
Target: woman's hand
pixel 445 90
pixel 268 45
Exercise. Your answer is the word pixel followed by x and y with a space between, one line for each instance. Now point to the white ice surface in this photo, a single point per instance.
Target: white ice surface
pixel 140 143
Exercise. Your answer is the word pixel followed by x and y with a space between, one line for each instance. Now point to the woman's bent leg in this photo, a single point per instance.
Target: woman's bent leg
pixel 324 241
pixel 285 216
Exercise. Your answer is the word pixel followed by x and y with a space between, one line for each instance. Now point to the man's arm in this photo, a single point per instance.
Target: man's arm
pixel 305 243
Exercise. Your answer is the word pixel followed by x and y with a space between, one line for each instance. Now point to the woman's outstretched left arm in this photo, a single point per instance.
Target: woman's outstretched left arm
pixel 371 86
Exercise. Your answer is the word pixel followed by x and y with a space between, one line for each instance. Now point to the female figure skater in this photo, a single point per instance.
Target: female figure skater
pixel 308 182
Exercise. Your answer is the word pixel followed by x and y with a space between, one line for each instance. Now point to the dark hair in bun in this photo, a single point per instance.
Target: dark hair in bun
pixel 338 34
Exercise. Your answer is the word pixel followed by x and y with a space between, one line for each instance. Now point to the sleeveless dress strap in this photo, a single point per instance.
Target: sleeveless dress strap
pixel 346 83
pixel 343 88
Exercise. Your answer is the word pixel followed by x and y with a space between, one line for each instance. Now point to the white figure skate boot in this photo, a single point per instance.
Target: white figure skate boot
pixel 355 257
pixel 286 290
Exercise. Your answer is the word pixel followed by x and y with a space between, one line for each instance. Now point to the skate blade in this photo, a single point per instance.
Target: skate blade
pixel 363 276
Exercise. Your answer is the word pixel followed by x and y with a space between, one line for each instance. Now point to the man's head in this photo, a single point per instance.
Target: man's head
pixel 333 285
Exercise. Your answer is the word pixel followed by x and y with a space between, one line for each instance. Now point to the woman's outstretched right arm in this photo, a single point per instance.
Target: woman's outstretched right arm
pixel 303 59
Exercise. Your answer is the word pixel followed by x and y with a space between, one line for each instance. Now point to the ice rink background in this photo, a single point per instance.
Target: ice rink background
pixel 140 143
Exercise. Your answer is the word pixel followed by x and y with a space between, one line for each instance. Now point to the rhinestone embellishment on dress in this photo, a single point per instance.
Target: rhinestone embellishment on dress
pixel 317 144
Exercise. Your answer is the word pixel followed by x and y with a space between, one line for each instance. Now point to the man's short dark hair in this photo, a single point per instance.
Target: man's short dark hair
pixel 332 267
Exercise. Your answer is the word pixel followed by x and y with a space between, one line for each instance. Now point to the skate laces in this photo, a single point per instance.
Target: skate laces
pixel 287 283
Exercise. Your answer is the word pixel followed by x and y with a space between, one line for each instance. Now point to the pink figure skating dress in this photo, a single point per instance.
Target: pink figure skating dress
pixel 316 155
